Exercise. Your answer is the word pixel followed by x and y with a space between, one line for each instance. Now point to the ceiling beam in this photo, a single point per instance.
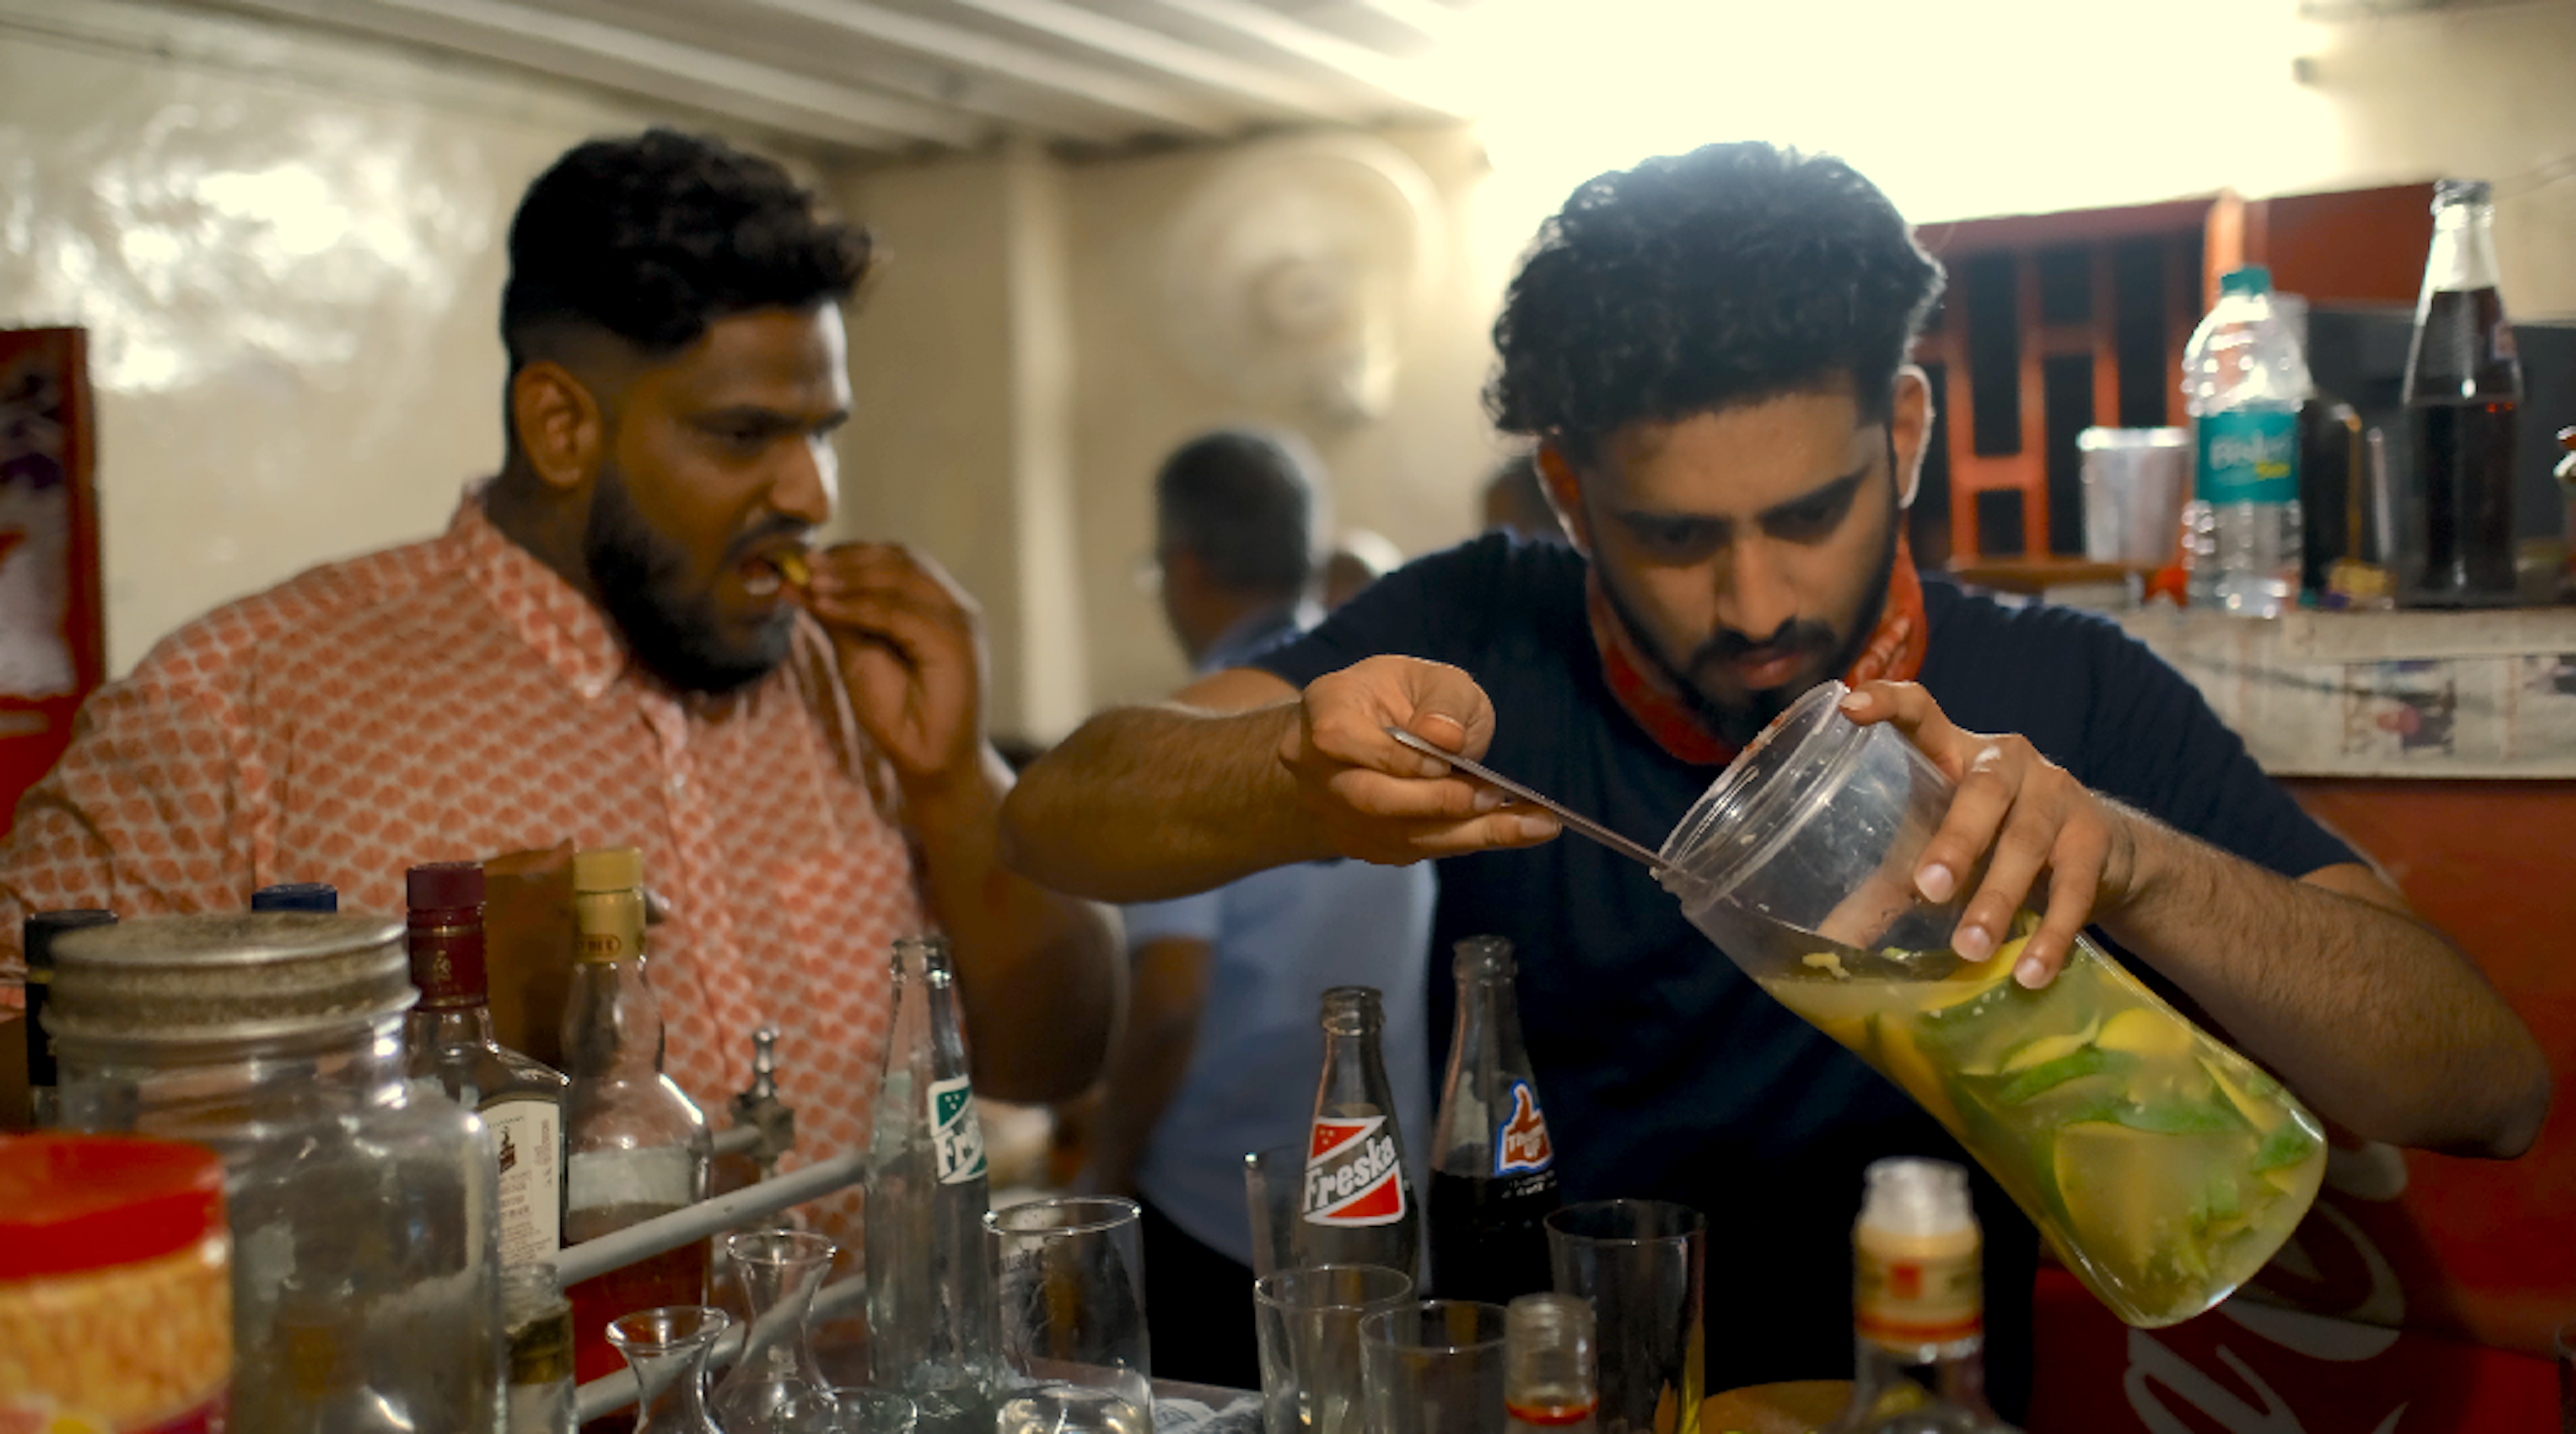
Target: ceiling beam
pixel 1346 59
pixel 991 55
pixel 1154 50
pixel 646 65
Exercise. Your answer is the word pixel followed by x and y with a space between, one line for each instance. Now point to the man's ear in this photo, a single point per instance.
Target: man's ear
pixel 1909 429
pixel 558 423
pixel 1565 494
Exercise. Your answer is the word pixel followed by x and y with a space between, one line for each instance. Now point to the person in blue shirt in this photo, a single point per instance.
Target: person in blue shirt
pixel 1222 1049
pixel 1710 352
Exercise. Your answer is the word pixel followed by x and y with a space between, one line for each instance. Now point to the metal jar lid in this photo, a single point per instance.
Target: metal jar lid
pixel 188 980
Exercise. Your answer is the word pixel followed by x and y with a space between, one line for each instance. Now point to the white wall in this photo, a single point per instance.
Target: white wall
pixel 289 252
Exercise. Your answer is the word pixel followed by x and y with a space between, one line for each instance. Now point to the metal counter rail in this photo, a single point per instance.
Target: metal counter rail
pixel 575 1263
pixel 610 1393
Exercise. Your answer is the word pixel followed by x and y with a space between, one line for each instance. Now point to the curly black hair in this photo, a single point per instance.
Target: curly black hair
pixel 654 236
pixel 1693 281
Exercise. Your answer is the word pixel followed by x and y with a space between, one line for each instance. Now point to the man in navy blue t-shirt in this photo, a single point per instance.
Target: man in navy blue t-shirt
pixel 1710 354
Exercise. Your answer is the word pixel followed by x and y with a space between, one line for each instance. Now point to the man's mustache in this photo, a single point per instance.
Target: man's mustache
pixel 1799 639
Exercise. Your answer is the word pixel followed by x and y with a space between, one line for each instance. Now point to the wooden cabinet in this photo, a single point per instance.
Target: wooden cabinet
pixel 2055 323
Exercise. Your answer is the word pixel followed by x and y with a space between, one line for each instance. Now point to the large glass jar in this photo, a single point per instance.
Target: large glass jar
pixel 366 1261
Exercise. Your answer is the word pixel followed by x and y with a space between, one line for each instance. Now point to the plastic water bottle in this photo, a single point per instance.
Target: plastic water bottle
pixel 2243 379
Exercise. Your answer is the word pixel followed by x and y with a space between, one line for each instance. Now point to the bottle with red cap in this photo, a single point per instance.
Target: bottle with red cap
pixel 451 1051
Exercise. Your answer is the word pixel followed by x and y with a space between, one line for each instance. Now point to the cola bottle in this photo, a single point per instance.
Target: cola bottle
pixel 1357 1207
pixel 1493 1168
pixel 2463 387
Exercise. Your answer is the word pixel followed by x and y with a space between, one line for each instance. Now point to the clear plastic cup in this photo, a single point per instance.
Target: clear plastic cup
pixel 2163 1167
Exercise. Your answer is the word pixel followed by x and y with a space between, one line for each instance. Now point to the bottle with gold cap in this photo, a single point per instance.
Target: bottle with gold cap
pixel 634 1145
pixel 1918 1306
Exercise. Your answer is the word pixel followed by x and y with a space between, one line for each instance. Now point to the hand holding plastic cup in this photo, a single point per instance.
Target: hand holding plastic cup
pixel 2162 1166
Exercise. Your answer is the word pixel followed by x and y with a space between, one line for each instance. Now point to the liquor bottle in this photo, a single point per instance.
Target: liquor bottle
pixel 44 1109
pixel 2463 388
pixel 1918 1308
pixel 1493 1168
pixel 1358 1206
pixel 932 1310
pixel 319 896
pixel 634 1145
pixel 451 1050
pixel 1548 1382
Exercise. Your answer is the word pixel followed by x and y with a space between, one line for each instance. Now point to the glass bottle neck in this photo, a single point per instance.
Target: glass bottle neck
pixel 2463 253
pixel 446 1027
pixel 613 1021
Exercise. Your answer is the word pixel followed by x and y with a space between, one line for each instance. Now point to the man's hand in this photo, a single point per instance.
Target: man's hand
pixel 2041 836
pixel 1378 800
pixel 911 647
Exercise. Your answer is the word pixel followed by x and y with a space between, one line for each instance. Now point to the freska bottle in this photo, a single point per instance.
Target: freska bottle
pixel 1358 1206
pixel 1493 1170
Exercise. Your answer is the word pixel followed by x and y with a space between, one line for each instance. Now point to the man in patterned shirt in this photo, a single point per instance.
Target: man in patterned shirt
pixel 603 649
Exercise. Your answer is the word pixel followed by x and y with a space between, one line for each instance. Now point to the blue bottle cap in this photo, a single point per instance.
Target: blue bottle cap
pixel 296 896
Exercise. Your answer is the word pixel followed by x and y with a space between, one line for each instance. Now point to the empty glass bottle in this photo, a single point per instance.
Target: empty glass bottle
pixel 1358 1206
pixel 931 1304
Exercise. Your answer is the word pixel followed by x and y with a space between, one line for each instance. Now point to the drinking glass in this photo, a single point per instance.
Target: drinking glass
pixel 1072 1409
pixel 1071 1277
pixel 1435 1368
pixel 1309 1327
pixel 850 1410
pixel 1640 1263
pixel 668 1348
pixel 779 1270
pixel 1273 1180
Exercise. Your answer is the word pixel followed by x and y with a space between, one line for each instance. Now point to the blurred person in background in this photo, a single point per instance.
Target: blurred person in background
pixel 1222 1047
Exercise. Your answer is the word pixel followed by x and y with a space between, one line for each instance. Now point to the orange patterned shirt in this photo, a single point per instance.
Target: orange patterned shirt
pixel 455 699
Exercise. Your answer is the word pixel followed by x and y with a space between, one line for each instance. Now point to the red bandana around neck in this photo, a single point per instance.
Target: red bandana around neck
pixel 1894 654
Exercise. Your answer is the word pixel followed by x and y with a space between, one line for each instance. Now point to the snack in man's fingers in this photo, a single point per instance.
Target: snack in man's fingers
pixel 762 575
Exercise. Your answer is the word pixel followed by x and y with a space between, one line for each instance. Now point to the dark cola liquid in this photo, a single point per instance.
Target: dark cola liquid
pixel 2463 390
pixel 1489 1235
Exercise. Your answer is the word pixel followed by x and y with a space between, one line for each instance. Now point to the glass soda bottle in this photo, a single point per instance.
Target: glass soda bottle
pixel 2463 389
pixel 1357 1207
pixel 634 1145
pixel 931 1304
pixel 2244 376
pixel 1548 1382
pixel 450 1049
pixel 1493 1168
pixel 1918 1306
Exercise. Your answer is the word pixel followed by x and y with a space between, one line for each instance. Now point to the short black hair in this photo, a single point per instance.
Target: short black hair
pixel 654 236
pixel 1734 272
pixel 1244 502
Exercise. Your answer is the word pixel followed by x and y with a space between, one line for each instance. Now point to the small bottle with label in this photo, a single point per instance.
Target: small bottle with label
pixel 635 1145
pixel 932 1308
pixel 1493 1166
pixel 1918 1306
pixel 451 1050
pixel 1358 1206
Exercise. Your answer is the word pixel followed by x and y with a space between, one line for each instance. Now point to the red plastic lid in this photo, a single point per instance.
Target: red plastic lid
pixel 71 1203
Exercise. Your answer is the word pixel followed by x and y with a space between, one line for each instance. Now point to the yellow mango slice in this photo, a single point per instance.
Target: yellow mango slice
pixel 2048 1048
pixel 2143 1031
pixel 2265 1116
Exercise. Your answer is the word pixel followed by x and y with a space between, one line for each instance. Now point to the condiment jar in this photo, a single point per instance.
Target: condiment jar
pixel 366 1263
pixel 115 1284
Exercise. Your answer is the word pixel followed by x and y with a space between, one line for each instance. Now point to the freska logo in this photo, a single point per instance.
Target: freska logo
pixel 1352 1174
pixel 1521 1147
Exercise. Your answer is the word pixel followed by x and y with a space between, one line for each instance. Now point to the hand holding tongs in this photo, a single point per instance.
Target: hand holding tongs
pixel 1573 819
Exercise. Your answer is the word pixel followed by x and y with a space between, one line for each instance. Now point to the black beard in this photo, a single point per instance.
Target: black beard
pixel 1739 725
pixel 674 633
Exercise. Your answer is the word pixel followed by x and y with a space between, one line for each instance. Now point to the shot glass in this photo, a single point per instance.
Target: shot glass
pixel 1642 1265
pixel 1309 1327
pixel 1071 1282
pixel 1434 1368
